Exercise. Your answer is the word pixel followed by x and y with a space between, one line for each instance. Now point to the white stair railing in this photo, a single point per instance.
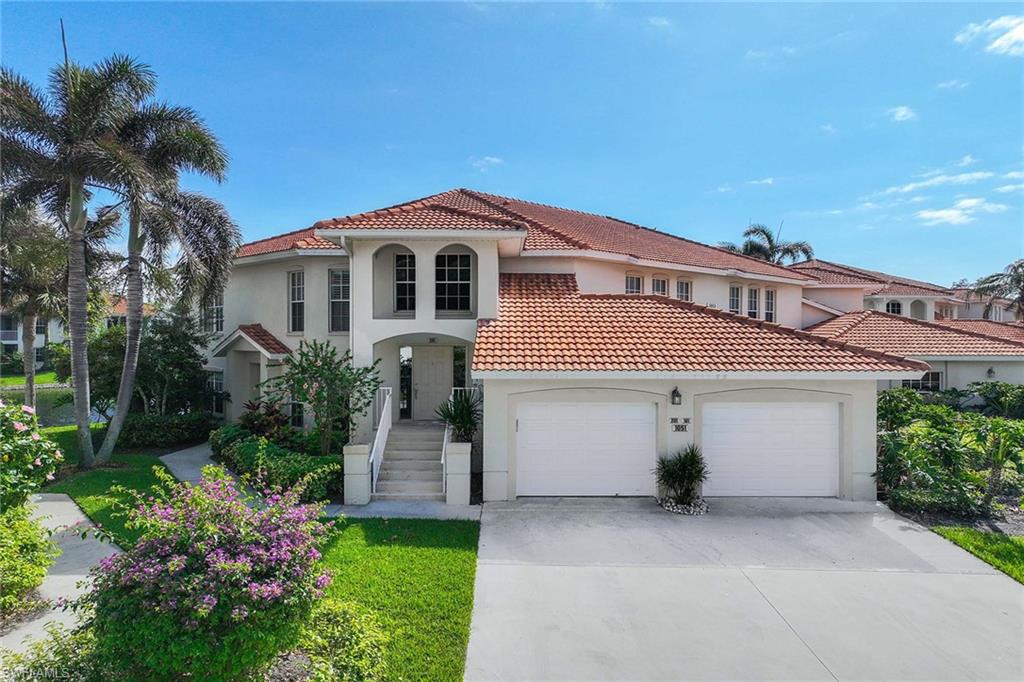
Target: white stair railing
pixel 382 416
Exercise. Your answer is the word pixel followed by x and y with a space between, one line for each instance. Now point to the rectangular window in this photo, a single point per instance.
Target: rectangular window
pixel 769 305
pixel 296 415
pixel 297 301
pixel 40 354
pixel 40 326
pixel 753 302
pixel 684 290
pixel 215 383
pixel 735 292
pixel 339 295
pixel 659 286
pixel 213 315
pixel 453 274
pixel 405 283
pixel 634 284
pixel 997 313
pixel 931 381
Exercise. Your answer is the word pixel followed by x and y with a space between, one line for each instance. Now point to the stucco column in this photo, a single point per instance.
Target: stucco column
pixel 357 474
pixel 457 466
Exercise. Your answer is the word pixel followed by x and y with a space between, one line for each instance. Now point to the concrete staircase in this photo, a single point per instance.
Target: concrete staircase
pixel 411 468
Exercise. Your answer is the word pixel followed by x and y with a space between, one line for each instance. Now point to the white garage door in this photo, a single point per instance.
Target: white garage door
pixel 585 449
pixel 789 449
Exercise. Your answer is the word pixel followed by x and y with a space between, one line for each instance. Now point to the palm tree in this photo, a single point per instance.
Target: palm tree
pixel 59 146
pixel 762 244
pixel 1007 284
pixel 161 217
pixel 33 259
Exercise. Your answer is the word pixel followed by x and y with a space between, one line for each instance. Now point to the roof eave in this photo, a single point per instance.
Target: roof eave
pixel 289 253
pixel 872 375
pixel 419 234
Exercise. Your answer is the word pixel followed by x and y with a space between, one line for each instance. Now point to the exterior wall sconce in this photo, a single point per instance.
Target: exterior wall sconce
pixel 677 397
pixel 991 373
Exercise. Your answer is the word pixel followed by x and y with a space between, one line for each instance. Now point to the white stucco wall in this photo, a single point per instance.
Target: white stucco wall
pixel 961 373
pixel 855 397
pixel 811 315
pixel 846 300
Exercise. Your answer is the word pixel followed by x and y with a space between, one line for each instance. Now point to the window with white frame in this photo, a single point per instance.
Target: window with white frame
pixel 339 293
pixel 735 298
pixel 215 384
pixel 931 381
pixel 297 301
pixel 405 283
pixel 213 314
pixel 296 413
pixel 684 290
pixel 769 305
pixel 634 284
pixel 453 282
pixel 659 286
pixel 753 302
pixel 41 325
pixel 997 313
pixel 40 354
pixel 894 308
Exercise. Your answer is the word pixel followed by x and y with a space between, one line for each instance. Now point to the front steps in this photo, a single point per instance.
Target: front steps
pixel 411 467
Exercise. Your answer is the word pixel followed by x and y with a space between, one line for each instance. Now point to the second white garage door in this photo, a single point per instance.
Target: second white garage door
pixel 784 449
pixel 585 449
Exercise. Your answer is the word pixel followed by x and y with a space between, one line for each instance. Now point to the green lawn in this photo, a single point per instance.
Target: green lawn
pixel 418 576
pixel 19 379
pixel 1005 552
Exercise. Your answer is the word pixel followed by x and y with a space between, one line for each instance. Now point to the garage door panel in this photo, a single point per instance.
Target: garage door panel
pixel 585 449
pixel 771 449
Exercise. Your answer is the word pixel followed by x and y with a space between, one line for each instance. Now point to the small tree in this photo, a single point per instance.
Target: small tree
pixel 336 392
pixel 997 441
pixel 170 377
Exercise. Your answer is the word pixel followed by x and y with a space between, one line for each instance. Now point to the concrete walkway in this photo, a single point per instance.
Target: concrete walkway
pixel 786 589
pixel 70 568
pixel 187 464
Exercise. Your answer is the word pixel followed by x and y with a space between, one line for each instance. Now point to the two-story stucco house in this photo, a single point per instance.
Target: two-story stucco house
pixel 598 344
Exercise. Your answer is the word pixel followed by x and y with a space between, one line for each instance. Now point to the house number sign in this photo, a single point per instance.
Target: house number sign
pixel 679 426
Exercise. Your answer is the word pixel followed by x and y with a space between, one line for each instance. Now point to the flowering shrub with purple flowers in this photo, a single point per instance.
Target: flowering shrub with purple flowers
pixel 216 587
pixel 27 459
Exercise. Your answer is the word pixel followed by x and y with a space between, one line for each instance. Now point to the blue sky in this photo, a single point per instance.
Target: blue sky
pixel 890 136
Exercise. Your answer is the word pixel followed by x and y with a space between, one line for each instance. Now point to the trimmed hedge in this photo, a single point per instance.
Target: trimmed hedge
pixel 225 436
pixel 275 466
pixel 163 430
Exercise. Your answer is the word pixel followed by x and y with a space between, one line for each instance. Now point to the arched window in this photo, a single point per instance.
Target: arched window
pixel 894 308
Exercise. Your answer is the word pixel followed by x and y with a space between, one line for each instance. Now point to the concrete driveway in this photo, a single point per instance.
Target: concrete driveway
pixel 780 589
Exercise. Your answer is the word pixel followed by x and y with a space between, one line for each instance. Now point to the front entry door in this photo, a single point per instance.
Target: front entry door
pixel 431 379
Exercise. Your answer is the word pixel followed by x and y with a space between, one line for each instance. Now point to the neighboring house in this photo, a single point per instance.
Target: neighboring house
pixel 48 330
pixel 844 288
pixel 958 351
pixel 1014 331
pixel 599 345
pixel 117 311
pixel 970 306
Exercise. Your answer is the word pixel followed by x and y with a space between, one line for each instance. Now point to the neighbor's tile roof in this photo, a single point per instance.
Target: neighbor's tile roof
pixel 875 283
pixel 118 306
pixel 1014 331
pixel 908 337
pixel 299 239
pixel 546 227
pixel 263 338
pixel 545 324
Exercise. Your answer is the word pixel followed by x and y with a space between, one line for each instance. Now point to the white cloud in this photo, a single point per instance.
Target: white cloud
pixel 761 55
pixel 941 179
pixel 485 163
pixel 827 128
pixel 659 22
pixel 966 160
pixel 1006 189
pixel 1004 35
pixel 902 113
pixel 953 84
pixel 1014 175
pixel 722 189
pixel 762 181
pixel 961 213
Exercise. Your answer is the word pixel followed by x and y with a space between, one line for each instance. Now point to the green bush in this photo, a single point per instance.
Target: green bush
pixel 462 412
pixel 935 501
pixel 226 435
pixel 12 363
pixel 897 407
pixel 63 655
pixel 345 642
pixel 164 430
pixel 1000 399
pixel 273 466
pixel 26 551
pixel 681 474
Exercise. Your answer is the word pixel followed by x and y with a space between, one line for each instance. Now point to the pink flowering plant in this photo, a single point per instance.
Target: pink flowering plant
pixel 27 459
pixel 218 584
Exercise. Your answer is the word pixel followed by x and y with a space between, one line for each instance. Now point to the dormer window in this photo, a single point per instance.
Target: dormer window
pixel 735 298
pixel 753 302
pixel 684 290
pixel 634 284
pixel 894 308
pixel 659 286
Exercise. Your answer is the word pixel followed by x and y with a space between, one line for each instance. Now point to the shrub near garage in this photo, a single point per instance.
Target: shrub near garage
pixel 214 589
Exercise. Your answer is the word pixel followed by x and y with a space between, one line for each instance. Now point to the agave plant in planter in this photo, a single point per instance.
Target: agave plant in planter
pixel 681 476
pixel 462 413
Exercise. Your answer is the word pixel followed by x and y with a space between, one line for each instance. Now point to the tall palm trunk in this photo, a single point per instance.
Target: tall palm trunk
pixel 78 321
pixel 28 352
pixel 133 336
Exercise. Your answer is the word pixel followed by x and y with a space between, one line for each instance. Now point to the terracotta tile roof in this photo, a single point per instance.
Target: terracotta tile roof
pixel 908 337
pixel 118 306
pixel 547 228
pixel 1014 331
pixel 264 339
pixel 545 324
pixel 299 239
pixel 875 283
